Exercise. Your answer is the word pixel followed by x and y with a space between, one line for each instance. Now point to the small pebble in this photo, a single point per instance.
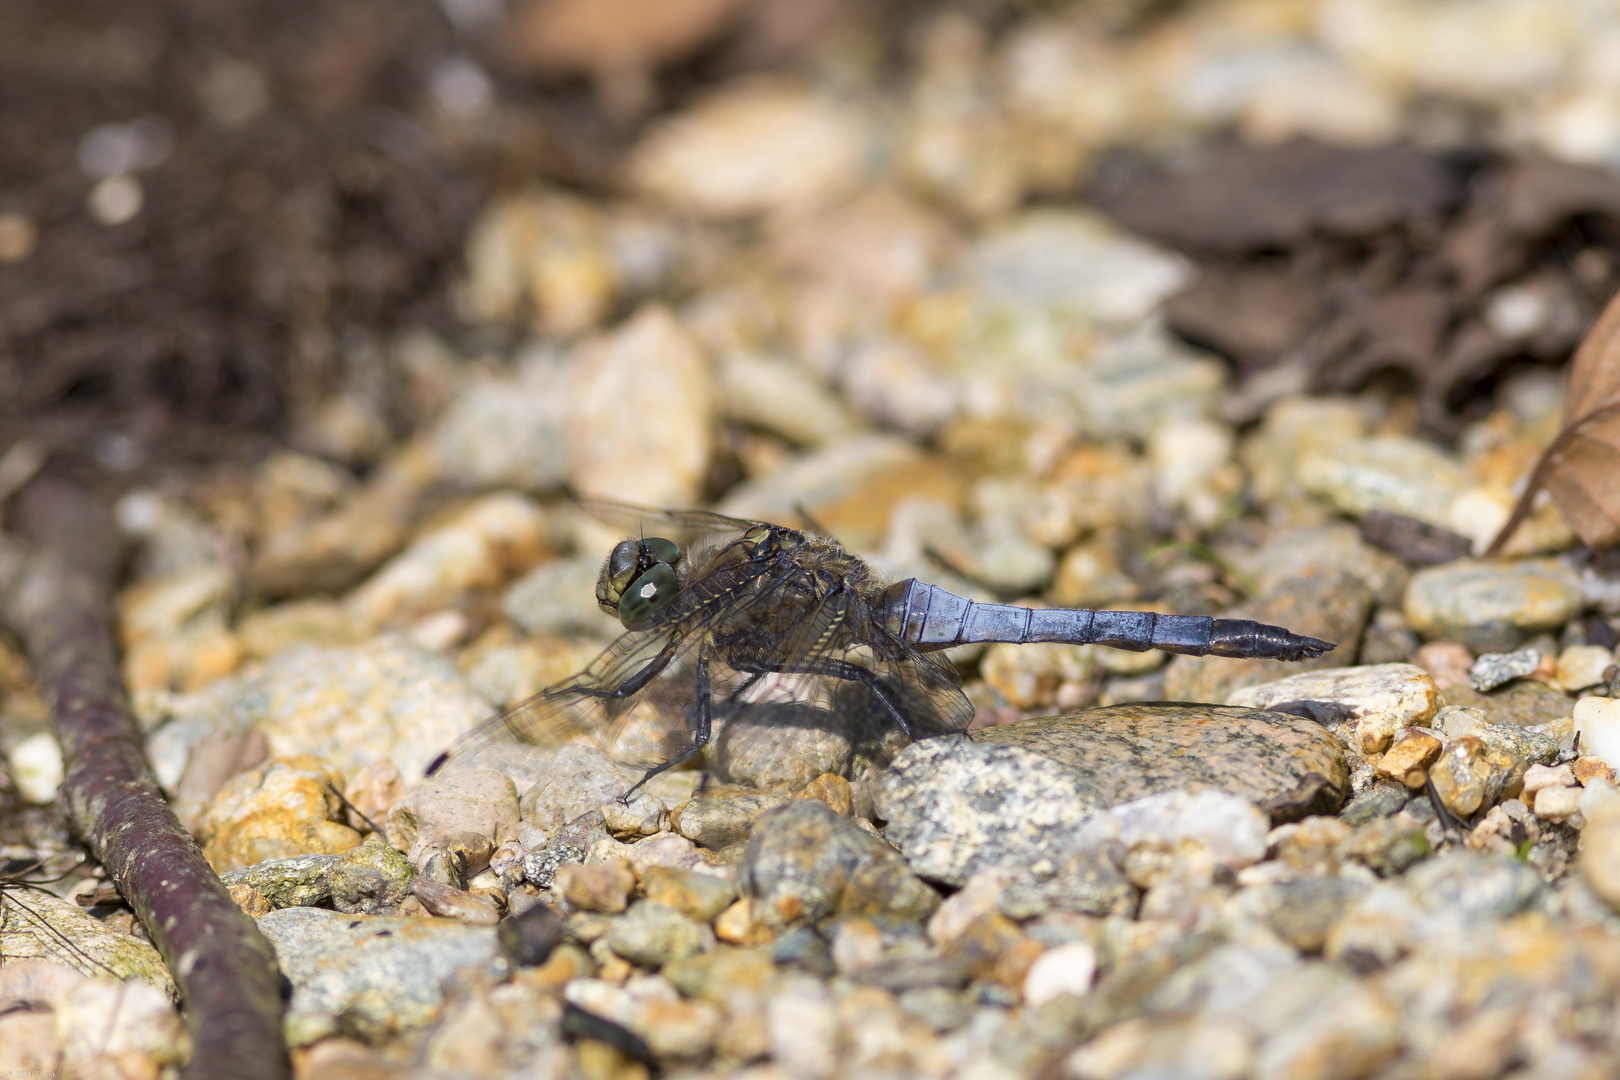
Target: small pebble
pixel 806 862
pixel 1471 775
pixel 1597 723
pixel 479 548
pixel 1379 800
pixel 1304 912
pixel 1478 886
pixel 282 808
pixel 753 149
pixel 1581 667
pixel 371 878
pixel 36 767
pixel 464 812
pixel 1067 969
pixel 724 814
pixel 1537 777
pixel 1587 769
pixel 697 896
pixel 1494 669
pixel 856 945
pixel 1557 803
pixel 1527 744
pixel 452 903
pixel 1408 760
pixel 652 934
pixel 529 939
pixel 1455 721
pixel 604 887
pixel 831 789
pixel 736 924
pixel 1378 699
pixel 649 368
pixel 1393 474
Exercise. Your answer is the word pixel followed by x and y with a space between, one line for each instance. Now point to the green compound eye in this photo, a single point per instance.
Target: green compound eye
pixel 650 592
pixel 616 575
pixel 661 550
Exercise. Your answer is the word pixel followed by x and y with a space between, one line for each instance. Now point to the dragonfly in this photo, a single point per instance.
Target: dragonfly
pixel 742 617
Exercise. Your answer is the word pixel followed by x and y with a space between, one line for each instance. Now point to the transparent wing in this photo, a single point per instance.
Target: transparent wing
pixel 823 685
pixel 589 705
pixel 686 525
pixel 632 699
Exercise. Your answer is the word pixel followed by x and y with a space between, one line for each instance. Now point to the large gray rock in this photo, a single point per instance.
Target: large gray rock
pixel 1014 796
pixel 1286 765
pixel 955 807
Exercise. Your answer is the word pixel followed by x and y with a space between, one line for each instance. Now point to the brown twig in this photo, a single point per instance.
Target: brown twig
pixel 56 597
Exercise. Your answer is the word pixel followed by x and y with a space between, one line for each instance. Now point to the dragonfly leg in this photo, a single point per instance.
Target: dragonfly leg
pixel 703 727
pixel 748 684
pixel 630 686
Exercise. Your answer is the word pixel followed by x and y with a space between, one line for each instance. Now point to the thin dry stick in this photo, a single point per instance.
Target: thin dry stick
pixel 56 597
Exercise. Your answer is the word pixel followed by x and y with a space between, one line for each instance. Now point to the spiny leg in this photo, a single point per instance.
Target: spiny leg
pixel 700 737
pixel 630 686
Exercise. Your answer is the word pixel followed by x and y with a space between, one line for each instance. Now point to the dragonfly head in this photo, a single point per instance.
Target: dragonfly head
pixel 638 579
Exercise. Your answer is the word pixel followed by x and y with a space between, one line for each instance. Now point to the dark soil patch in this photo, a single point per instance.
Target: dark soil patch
pixel 296 197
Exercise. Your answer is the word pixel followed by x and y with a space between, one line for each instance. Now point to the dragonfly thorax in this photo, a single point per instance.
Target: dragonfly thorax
pixel 638 578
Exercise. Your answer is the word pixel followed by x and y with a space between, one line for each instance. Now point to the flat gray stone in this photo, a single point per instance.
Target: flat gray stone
pixel 1494 669
pixel 653 934
pixel 806 862
pixel 1014 797
pixel 1492 606
pixel 367 976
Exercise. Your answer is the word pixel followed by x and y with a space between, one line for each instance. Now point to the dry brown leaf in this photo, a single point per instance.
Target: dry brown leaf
pixel 1581 468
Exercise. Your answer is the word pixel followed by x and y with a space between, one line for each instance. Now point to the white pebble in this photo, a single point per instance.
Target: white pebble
pixel 36 767
pixel 1538 777
pixel 1598 792
pixel 1067 969
pixel 1557 803
pixel 1597 722
pixel 1581 666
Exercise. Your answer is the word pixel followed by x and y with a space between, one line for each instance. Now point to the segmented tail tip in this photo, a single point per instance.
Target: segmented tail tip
pixel 1308 648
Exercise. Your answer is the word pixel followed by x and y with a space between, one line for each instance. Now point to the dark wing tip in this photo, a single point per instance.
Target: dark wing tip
pixel 437 763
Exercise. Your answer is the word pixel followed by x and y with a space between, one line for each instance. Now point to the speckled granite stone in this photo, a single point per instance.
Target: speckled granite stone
pixel 1287 765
